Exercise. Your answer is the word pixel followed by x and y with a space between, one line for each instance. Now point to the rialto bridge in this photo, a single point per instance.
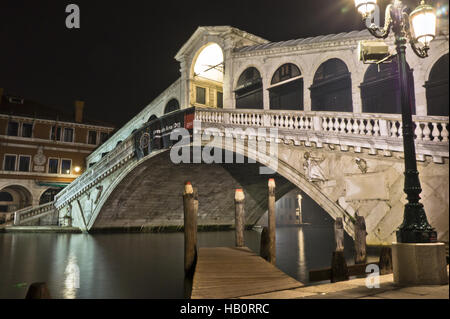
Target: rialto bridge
pixel 338 137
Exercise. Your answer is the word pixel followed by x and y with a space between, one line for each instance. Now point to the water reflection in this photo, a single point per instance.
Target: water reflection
pixel 72 282
pixel 139 265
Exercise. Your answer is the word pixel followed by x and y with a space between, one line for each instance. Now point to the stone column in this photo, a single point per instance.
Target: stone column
pixel 228 95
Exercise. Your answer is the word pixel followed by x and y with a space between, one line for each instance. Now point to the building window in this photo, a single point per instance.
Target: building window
pixel 68 134
pixel 103 137
pixel 249 94
pixel 56 133
pixel 24 163
pixel 92 137
pixel 200 95
pixel 66 166
pixel 53 164
pixel 10 163
pixel 27 130
pixel 219 100
pixel 13 128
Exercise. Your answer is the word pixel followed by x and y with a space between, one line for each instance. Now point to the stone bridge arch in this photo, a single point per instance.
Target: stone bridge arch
pixel 288 177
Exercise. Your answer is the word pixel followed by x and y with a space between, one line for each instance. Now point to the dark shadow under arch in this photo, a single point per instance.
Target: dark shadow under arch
pixel 249 92
pixel 332 87
pixel 437 88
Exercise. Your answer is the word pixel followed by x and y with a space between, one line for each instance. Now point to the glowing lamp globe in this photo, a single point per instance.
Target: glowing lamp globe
pixel 365 7
pixel 423 22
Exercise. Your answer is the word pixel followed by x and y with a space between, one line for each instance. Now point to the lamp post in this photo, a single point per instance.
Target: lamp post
pixel 417 28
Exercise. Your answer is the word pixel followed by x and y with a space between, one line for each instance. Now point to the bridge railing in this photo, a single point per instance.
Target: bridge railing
pixel 351 129
pixel 427 128
pixel 117 157
pixel 32 212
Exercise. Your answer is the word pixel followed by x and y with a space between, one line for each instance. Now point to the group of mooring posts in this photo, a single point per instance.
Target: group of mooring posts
pixel 339 271
pixel 190 203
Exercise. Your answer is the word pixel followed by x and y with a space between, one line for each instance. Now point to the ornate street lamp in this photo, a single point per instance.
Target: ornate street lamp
pixel 419 28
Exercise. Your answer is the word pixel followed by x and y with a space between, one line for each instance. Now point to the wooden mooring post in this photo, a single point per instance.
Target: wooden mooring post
pixel 360 240
pixel 239 198
pixel 339 270
pixel 190 204
pixel 38 290
pixel 271 222
pixel 385 263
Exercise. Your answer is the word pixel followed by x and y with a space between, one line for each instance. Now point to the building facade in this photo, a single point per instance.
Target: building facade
pixel 41 151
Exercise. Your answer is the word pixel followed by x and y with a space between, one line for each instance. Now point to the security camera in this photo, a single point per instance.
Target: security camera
pixel 373 52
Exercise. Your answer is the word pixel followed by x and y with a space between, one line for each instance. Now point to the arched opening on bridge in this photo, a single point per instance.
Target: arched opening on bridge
pixel 286 90
pixel 172 106
pixel 249 92
pixel 21 197
pixel 332 87
pixel 380 91
pixel 437 88
pixel 207 77
pixel 152 118
pixel 49 195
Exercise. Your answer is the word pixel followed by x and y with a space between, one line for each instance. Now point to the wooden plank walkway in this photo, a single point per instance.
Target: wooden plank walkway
pixel 230 272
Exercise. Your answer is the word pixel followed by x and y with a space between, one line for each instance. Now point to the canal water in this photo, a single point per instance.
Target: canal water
pixel 147 265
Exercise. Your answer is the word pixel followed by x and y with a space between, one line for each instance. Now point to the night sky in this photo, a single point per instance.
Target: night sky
pixel 123 55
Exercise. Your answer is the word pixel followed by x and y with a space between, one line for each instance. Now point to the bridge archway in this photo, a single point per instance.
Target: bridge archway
pixel 380 91
pixel 206 76
pixel 437 88
pixel 286 88
pixel 21 196
pixel 171 106
pixel 117 202
pixel 332 87
pixel 249 90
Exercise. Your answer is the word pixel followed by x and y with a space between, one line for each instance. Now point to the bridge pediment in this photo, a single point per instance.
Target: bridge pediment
pixel 225 36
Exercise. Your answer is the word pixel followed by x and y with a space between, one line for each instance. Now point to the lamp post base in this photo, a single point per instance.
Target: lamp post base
pixel 419 264
pixel 416 236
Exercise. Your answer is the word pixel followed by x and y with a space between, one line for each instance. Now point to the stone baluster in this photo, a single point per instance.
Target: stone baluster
pixel 343 125
pixel 393 128
pixel 418 131
pixel 376 129
pixel 349 126
pixel 369 128
pixel 355 126
pixel 435 133
pixel 336 125
pixel 307 123
pixel 325 123
pixel 444 132
pixel 361 127
pixel 400 130
pixel 302 123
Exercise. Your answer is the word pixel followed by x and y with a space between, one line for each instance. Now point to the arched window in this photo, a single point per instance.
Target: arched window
pixel 152 118
pixel 286 91
pixel 6 197
pixel 171 106
pixel 380 91
pixel 437 88
pixel 332 87
pixel 48 195
pixel 249 94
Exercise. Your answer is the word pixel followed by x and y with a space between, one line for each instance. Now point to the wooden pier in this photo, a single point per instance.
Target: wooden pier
pixel 234 272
